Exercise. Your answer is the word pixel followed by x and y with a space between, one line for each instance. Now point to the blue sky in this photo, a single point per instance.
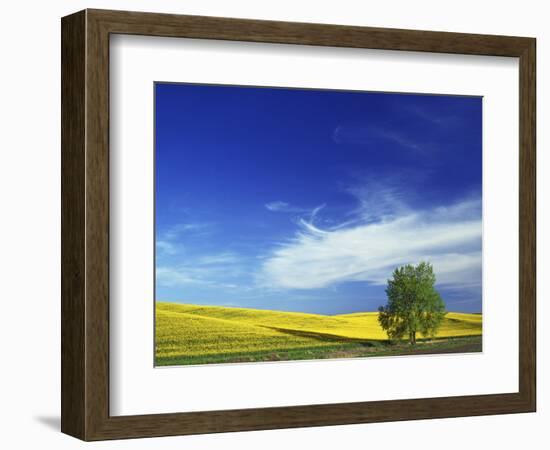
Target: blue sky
pixel 306 200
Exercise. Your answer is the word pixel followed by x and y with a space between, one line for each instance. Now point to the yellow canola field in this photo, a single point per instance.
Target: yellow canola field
pixel 184 330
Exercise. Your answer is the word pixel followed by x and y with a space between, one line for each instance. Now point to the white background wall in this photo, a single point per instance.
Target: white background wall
pixel 30 221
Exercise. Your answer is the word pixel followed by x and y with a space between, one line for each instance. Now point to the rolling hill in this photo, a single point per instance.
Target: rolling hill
pixel 194 334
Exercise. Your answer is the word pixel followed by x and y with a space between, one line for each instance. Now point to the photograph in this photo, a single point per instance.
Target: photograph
pixel 305 224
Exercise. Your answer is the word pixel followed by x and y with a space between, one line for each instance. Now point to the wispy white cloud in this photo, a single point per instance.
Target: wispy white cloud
pixel 180 229
pixel 175 276
pixel 166 247
pixel 219 258
pixel 212 269
pixel 278 206
pixel 371 134
pixel 180 265
pixel 284 207
pixel 402 140
pixel 439 117
pixel 168 241
pixel 382 233
pixel 377 200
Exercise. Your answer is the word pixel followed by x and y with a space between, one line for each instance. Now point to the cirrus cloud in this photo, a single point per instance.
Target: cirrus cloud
pixel 368 250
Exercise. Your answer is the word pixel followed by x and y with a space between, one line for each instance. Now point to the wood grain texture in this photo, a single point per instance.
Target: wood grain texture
pixel 85 224
pixel 527 224
pixel 97 226
pixel 151 24
pixel 73 227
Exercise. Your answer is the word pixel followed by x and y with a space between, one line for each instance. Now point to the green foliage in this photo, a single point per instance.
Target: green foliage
pixel 197 334
pixel 414 306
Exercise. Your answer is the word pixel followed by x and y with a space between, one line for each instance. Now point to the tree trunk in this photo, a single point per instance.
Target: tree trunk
pixel 412 337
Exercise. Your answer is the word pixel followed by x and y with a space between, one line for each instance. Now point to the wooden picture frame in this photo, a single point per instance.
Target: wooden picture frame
pixel 85 224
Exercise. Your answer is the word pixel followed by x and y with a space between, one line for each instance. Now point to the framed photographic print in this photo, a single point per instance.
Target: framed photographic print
pixel 272 225
pixel 283 212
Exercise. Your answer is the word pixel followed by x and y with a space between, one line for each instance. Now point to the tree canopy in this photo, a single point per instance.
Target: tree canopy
pixel 414 306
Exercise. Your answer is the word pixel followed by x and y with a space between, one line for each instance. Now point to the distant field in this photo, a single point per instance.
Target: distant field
pixel 194 334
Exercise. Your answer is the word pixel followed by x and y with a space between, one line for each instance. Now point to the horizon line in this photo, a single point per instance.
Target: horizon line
pixel 290 312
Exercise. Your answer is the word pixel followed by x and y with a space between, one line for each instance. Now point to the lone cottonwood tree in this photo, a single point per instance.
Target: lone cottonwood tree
pixel 414 306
